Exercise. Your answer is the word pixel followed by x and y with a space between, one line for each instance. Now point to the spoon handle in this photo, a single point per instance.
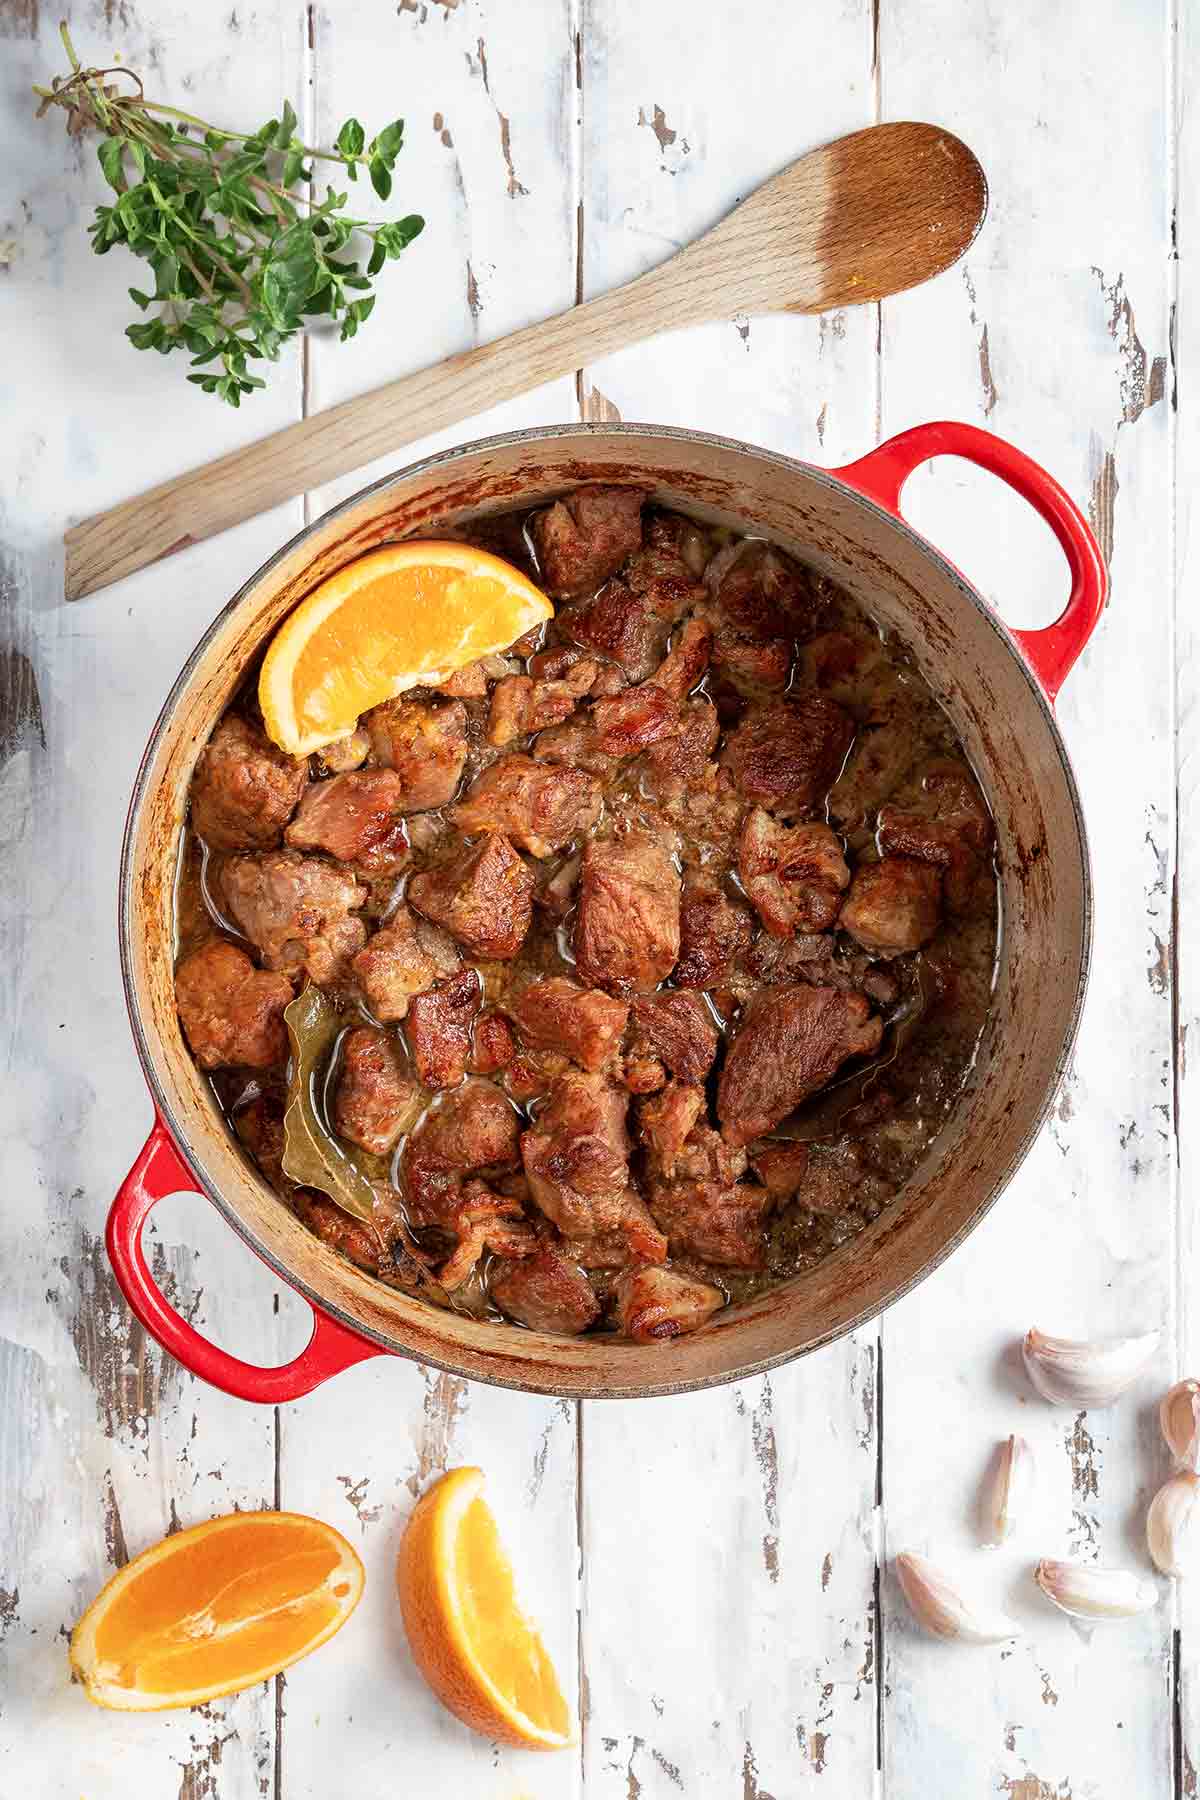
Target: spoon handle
pixel 232 488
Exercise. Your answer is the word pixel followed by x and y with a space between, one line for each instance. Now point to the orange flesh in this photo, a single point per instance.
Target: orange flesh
pixel 506 1646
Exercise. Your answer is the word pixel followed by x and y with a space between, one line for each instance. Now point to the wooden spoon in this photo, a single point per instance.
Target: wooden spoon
pixel 868 215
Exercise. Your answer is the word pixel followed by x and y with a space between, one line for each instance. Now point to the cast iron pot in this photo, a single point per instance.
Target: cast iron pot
pixel 997 687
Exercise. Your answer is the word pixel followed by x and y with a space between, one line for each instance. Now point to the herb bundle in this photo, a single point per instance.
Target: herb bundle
pixel 240 260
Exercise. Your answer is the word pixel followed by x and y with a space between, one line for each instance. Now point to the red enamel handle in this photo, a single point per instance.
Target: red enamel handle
pixel 882 473
pixel 159 1171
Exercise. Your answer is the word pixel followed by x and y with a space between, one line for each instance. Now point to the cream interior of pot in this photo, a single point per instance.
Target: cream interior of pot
pixel 1007 731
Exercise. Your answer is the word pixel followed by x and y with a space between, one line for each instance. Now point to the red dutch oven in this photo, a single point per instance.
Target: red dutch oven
pixel 997 687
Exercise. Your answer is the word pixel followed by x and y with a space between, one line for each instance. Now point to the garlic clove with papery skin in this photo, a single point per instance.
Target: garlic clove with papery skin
pixel 1173 1525
pixel 1088 1592
pixel 938 1607
pixel 1179 1415
pixel 1007 1490
pixel 1071 1372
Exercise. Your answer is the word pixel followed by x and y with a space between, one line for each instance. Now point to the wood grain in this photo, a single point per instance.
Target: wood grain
pixel 872 213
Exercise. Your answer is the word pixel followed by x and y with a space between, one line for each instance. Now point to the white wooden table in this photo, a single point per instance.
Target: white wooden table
pixel 712 1571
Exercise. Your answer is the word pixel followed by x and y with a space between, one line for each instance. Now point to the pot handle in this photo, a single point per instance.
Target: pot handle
pixel 158 1171
pixel 882 473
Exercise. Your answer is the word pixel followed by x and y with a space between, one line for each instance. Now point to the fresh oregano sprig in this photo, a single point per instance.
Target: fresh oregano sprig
pixel 240 260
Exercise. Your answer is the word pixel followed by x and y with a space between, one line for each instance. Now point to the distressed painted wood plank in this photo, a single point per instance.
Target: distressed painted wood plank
pixel 728 1642
pixel 1055 334
pixel 105 1443
pixel 489 106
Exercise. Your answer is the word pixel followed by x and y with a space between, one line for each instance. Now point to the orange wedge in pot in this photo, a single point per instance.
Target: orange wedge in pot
pixel 406 615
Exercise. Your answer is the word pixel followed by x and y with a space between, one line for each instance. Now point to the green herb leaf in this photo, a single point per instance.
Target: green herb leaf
pixel 112 160
pixel 312 1156
pixel 381 179
pixel 351 138
pixel 389 142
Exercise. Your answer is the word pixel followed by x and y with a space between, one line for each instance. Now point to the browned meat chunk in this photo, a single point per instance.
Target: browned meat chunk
pixel 260 1129
pixel 334 1227
pixel 296 911
pixel 546 1291
pixel 714 933
pixel 842 666
pixel 425 744
pixel 492 1045
pixel 687 660
pixel 677 761
pixel 677 1029
pixel 439 1028
pixel 703 1207
pixel 540 808
pixel 786 754
pixel 244 790
pixel 376 1099
pixel 556 893
pixel 584 1022
pixel 666 1119
pixel 789 1043
pixel 627 931
pixel 232 1013
pixel 584 537
pixel 954 836
pixel 574 745
pixel 630 619
pixel 780 1167
pixel 881 757
pixel 468 683
pixel 355 818
pixel 485 1220
pixel 893 905
pixel 630 721
pixel 751 663
pixel 483 896
pixel 470 1130
pixel 346 753
pixel 765 592
pixel 521 705
pixel 576 1159
pixel 794 877
pixel 404 958
pixel 654 1304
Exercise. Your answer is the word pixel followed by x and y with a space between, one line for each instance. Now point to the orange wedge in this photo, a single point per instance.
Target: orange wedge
pixel 470 1640
pixel 407 614
pixel 215 1609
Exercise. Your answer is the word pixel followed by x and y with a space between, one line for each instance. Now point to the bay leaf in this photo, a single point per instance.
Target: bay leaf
pixel 312 1156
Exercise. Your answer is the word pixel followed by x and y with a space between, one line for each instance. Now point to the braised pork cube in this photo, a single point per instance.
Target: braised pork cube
pixel 686 661
pixel 955 835
pixel 521 704
pixel 232 1013
pixel 780 1166
pixel 537 806
pixel 681 759
pixel 630 619
pixel 714 932
pixel 245 789
pixel 844 666
pixel 485 1220
pixel 296 912
pixel 678 1029
pixel 356 1241
pixel 471 1130
pixel 439 1028
pixel 879 761
pixel 405 957
pixel 574 745
pixel 585 537
pixel 471 681
pixel 576 1159
pixel 492 1046
pixel 704 1206
pixel 786 754
pixel 654 1304
pixel 631 721
pixel 790 1042
pixel 763 591
pixel 483 896
pixel 894 905
pixel 751 664
pixel 346 753
pixel 795 878
pixel 356 819
pixel 425 743
pixel 627 929
pixel 376 1099
pixel 665 1121
pixel 546 1292
pixel 558 1014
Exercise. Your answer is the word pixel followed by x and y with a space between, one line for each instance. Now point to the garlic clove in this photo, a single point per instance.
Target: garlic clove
pixel 1088 1592
pixel 1173 1525
pixel 938 1607
pixel 1068 1372
pixel 1007 1490
pixel 1179 1413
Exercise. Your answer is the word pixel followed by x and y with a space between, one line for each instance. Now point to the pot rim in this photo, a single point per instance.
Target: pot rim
pixel 427 465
